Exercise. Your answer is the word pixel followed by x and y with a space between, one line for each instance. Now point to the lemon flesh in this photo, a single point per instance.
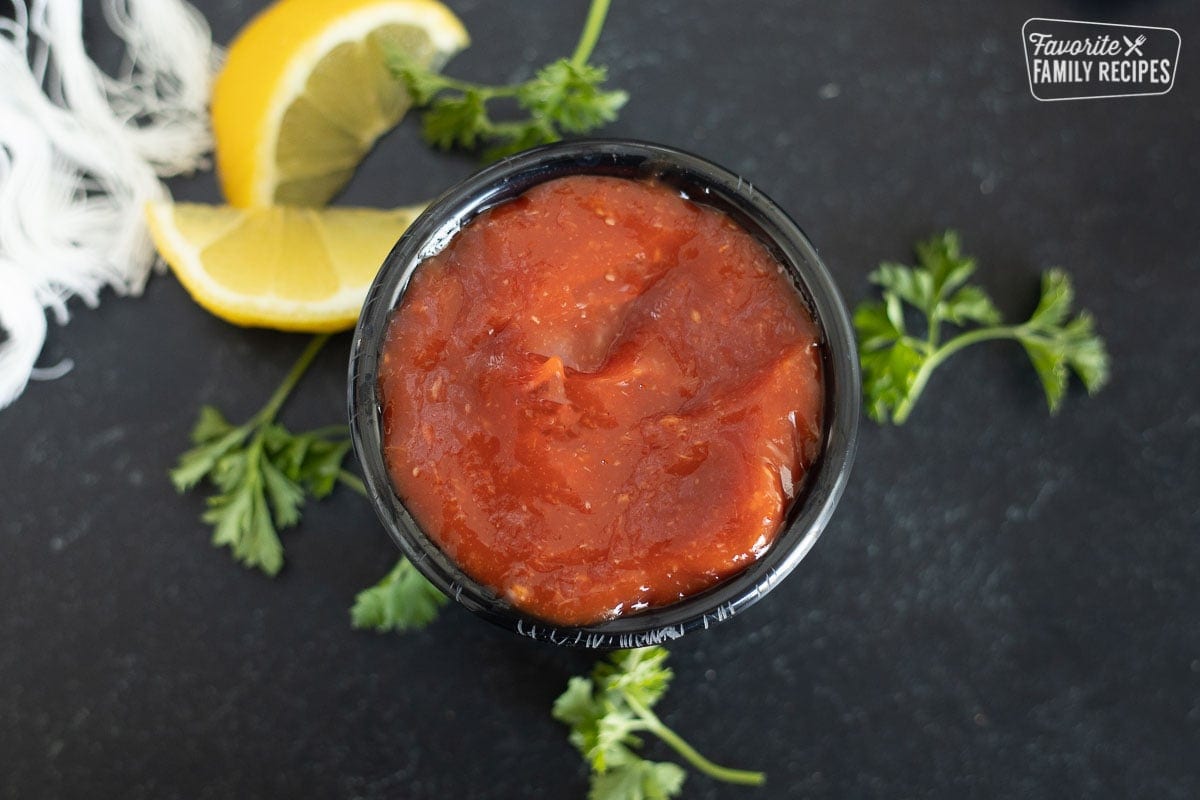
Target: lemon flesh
pixel 305 92
pixel 284 267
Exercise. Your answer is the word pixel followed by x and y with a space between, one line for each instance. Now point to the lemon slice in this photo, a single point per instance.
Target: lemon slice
pixel 305 92
pixel 285 267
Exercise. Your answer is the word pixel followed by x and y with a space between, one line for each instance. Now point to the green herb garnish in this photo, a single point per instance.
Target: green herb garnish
pixel 262 472
pixel 563 97
pixel 607 711
pixel 897 364
pixel 403 601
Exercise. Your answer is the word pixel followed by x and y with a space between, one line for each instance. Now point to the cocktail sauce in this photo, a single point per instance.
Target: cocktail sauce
pixel 601 397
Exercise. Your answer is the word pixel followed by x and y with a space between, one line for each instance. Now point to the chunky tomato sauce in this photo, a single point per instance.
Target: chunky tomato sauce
pixel 600 397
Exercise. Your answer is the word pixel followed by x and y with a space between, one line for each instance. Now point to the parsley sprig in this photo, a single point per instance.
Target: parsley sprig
pixel 897 363
pixel 605 714
pixel 263 474
pixel 563 97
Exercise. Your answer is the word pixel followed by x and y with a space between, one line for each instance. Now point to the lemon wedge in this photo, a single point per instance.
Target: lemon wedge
pixel 305 92
pixel 285 267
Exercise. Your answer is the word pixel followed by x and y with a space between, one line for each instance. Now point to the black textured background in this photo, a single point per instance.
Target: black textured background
pixel 1005 604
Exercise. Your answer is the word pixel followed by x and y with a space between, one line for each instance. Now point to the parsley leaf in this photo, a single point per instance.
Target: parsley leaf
pixel 606 712
pixel 563 97
pixel 403 601
pixel 641 674
pixel 459 121
pixel 897 363
pixel 569 95
pixel 213 437
pixel 638 780
pixel 1055 343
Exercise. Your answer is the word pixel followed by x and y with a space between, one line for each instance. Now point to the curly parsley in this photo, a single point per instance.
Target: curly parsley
pixel 897 363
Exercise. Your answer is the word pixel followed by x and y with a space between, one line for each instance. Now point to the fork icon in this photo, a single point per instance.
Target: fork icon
pixel 1134 47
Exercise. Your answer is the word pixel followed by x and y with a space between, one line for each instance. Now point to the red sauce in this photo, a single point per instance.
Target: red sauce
pixel 600 397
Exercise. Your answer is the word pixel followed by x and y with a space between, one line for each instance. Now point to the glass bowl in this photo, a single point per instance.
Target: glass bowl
pixel 703 182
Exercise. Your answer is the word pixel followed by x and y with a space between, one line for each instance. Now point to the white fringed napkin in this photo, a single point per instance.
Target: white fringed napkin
pixel 82 152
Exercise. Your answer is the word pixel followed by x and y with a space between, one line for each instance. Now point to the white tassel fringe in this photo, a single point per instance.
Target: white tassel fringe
pixel 81 153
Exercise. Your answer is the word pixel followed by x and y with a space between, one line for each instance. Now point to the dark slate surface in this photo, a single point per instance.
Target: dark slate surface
pixel 1005 604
